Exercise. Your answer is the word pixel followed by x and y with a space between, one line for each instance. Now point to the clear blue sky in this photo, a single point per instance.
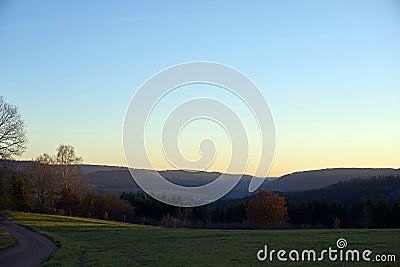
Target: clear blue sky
pixel 329 69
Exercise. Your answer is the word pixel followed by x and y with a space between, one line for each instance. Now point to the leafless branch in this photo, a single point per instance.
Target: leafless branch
pixel 12 131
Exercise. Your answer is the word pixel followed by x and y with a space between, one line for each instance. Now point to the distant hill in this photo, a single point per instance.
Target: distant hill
pixel 114 180
pixel 86 168
pixel 118 179
pixel 350 191
pixel 307 180
pixel 20 165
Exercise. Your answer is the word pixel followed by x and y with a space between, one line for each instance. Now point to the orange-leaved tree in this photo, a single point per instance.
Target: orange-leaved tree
pixel 267 209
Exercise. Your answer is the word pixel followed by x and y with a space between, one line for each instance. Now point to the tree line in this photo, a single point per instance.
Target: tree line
pixel 364 213
pixel 266 210
pixel 270 210
pixel 54 184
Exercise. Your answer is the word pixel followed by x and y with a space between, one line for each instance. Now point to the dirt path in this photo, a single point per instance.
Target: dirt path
pixel 30 250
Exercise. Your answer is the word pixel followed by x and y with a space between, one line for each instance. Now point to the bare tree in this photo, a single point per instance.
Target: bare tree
pixel 12 131
pixel 70 173
pixel 42 177
pixel 67 162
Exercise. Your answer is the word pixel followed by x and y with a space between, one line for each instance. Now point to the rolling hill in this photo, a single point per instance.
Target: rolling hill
pixel 118 179
pixel 307 180
pixel 353 190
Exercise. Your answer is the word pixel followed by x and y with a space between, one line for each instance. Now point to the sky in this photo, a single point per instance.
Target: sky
pixel 330 71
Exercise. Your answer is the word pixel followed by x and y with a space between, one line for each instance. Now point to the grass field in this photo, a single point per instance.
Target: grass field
pixel 6 240
pixel 85 242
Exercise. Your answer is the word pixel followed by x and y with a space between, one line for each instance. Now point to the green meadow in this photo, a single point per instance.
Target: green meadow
pixel 88 242
pixel 5 239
